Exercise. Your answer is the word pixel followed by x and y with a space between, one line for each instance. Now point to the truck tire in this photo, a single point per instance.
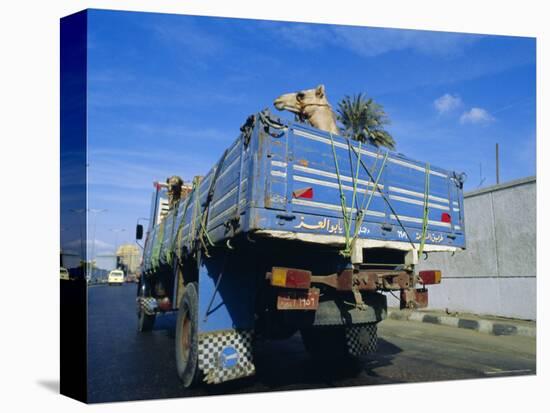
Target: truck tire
pixel 187 336
pixel 328 343
pixel 145 322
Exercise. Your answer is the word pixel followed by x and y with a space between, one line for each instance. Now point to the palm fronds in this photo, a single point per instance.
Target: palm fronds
pixel 363 120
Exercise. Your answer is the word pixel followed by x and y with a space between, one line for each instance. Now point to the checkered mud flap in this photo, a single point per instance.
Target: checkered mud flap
pixel 225 355
pixel 147 304
pixel 362 339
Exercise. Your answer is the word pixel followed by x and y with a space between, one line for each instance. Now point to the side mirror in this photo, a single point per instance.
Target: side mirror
pixel 139 231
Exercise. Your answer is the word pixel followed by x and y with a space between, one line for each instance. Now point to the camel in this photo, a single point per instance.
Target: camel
pixel 311 105
pixel 174 185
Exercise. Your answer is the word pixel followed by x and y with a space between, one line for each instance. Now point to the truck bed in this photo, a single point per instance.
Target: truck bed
pixel 279 179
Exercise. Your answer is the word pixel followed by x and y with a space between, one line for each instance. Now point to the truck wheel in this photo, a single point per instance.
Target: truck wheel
pixel 328 343
pixel 187 336
pixel 145 322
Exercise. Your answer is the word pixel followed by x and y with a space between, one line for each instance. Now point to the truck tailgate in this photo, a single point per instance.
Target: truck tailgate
pixel 309 172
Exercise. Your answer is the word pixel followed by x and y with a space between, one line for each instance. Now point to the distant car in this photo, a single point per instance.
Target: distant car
pixel 131 278
pixel 64 274
pixel 116 277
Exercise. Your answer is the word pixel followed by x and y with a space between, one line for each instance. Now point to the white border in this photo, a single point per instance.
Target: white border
pixel 29 151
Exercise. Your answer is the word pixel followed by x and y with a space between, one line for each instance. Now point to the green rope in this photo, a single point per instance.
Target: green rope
pixel 388 203
pixel 364 208
pixel 204 232
pixel 370 174
pixel 155 254
pixel 355 178
pixel 176 242
pixel 194 191
pixel 346 252
pixel 360 212
pixel 426 210
pixel 200 215
pixel 170 249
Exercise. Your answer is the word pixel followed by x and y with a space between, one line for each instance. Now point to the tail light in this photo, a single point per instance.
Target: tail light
pixel 290 278
pixel 445 217
pixel 430 277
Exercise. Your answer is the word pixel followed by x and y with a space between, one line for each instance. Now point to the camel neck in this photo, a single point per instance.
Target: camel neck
pixel 323 118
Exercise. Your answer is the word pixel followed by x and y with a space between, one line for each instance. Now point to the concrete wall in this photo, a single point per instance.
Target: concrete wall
pixel 496 274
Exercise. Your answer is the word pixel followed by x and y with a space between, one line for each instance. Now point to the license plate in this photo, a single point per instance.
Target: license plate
pixel 298 300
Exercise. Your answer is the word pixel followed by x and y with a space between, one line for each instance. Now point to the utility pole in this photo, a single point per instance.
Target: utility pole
pixel 117 231
pixel 94 226
pixel 481 177
pixel 498 166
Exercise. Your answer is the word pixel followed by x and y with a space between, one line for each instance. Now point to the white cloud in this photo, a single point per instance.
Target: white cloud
pixel 77 245
pixel 476 115
pixel 447 103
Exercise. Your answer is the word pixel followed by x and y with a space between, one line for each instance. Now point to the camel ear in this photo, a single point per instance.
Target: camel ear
pixel 320 91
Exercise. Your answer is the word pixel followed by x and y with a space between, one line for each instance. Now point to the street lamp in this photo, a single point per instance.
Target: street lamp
pixel 82 241
pixel 94 226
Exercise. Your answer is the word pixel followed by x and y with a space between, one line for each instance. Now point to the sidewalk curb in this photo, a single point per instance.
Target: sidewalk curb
pixel 493 327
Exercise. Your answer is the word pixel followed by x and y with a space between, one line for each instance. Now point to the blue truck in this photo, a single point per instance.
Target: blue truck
pixel 293 230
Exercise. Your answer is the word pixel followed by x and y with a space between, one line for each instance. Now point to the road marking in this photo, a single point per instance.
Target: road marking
pixel 508 371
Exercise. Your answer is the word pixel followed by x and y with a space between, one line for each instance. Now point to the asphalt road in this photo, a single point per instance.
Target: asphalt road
pixel 125 365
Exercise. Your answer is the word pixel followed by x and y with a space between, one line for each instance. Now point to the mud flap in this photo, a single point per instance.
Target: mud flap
pixel 362 339
pixel 148 305
pixel 225 355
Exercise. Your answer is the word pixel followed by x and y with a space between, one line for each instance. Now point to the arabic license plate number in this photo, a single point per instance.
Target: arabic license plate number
pixel 298 300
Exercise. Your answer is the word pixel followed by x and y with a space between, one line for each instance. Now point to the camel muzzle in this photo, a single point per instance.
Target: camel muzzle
pixel 279 104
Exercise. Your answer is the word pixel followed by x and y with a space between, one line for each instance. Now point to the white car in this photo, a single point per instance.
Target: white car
pixel 64 274
pixel 116 277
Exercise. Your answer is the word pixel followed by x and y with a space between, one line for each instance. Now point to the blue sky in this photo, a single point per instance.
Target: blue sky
pixel 168 93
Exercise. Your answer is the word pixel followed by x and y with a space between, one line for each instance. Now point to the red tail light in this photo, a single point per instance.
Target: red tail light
pixel 430 277
pixel 303 193
pixel 290 278
pixel 445 217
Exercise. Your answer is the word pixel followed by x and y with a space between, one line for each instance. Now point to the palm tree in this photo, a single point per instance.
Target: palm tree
pixel 363 120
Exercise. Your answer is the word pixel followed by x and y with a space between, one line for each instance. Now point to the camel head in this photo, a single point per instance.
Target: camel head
pixel 298 102
pixel 174 184
pixel 311 105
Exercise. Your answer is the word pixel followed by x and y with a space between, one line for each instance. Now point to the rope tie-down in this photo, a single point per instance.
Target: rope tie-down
pixel 361 210
pixel 426 211
pixel 350 239
pixel 202 234
pixel 425 214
